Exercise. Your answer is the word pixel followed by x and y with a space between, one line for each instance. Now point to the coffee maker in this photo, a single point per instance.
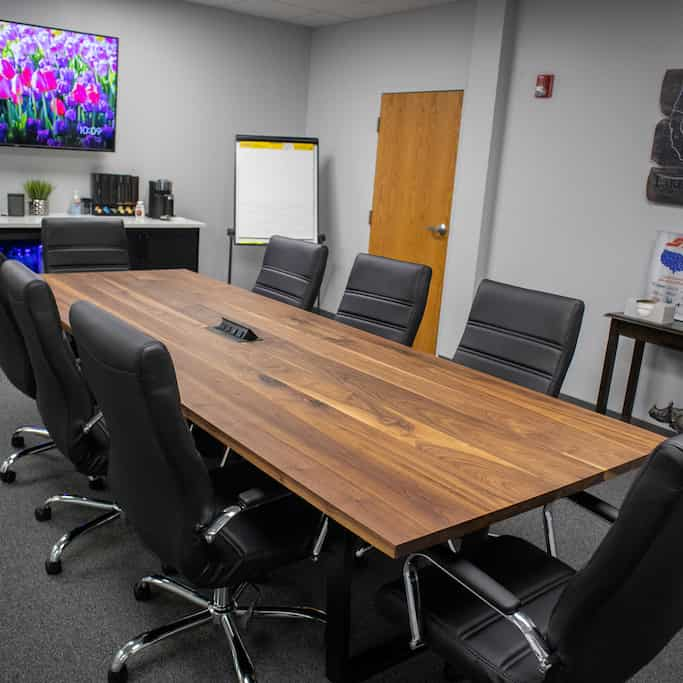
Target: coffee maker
pixel 160 199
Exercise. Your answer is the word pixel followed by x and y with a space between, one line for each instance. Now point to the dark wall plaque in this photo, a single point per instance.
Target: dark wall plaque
pixel 665 185
pixel 671 90
pixel 664 153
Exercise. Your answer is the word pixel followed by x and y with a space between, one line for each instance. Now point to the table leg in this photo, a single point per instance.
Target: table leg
pixel 341 665
pixel 338 630
pixel 633 376
pixel 608 368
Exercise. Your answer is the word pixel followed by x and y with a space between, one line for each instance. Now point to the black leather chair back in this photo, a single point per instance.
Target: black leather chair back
pixel 292 271
pixel 79 244
pixel 63 398
pixel 626 604
pixel 155 472
pixel 14 359
pixel 386 297
pixel 521 335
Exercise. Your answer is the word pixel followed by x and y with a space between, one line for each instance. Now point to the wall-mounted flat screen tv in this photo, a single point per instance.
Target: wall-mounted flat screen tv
pixel 58 88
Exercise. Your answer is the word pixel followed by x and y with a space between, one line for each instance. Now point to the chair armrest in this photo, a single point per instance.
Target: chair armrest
pixel 595 505
pixel 476 581
pixel 484 587
pixel 247 500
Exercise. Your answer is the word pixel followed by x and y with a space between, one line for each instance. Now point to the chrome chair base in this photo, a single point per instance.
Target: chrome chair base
pixel 7 474
pixel 53 564
pixel 222 609
pixel 549 530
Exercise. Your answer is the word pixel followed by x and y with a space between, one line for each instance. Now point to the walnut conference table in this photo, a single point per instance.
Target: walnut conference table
pixel 399 448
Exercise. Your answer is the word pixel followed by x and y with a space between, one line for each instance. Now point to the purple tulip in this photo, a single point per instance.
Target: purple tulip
pixel 107 132
pixel 43 135
pixel 61 126
pixel 3 131
pixel 71 114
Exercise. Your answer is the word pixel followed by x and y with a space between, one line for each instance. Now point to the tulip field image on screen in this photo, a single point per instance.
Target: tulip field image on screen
pixel 57 88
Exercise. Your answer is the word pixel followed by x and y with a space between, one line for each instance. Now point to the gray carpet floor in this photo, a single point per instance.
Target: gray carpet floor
pixel 66 628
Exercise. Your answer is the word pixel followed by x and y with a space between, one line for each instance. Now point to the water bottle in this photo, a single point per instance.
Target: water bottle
pixel 139 211
pixel 75 208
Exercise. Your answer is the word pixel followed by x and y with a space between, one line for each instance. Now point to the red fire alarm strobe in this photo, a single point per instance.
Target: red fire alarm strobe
pixel 544 85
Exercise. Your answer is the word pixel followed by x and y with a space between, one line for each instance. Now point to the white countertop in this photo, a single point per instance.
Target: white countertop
pixel 14 222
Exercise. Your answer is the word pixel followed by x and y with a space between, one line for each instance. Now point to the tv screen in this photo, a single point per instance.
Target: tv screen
pixel 57 88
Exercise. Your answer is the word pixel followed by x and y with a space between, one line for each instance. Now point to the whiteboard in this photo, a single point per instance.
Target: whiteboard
pixel 276 188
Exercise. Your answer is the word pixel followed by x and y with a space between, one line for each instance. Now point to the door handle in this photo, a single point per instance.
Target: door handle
pixel 440 230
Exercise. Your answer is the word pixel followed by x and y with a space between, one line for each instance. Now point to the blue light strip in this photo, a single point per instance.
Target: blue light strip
pixel 28 252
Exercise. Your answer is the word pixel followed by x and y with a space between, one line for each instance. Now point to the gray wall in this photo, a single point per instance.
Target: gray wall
pixel 351 66
pixel 571 215
pixel 191 77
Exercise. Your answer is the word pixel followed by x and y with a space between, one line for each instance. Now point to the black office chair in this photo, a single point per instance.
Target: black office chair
pixel 62 396
pixel 386 297
pixel 80 244
pixel 15 363
pixel 521 335
pixel 216 537
pixel 507 612
pixel 524 336
pixel 292 271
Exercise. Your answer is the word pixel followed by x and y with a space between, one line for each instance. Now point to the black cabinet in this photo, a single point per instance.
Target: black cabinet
pixel 149 248
pixel 159 248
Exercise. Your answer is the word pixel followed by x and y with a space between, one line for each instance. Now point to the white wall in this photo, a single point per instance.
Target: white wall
pixel 351 66
pixel 476 182
pixel 191 77
pixel 571 215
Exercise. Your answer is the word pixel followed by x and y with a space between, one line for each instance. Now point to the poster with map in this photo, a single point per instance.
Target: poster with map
pixel 666 270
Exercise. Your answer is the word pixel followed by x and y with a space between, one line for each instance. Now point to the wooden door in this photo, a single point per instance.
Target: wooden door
pixel 414 176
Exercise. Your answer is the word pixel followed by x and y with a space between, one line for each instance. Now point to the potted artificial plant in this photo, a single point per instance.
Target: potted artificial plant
pixel 38 193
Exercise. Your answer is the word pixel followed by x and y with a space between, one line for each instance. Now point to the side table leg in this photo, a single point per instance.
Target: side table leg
pixel 633 376
pixel 608 368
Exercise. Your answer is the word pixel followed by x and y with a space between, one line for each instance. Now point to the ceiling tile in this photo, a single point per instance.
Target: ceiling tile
pixel 320 19
pixel 320 12
pixel 373 8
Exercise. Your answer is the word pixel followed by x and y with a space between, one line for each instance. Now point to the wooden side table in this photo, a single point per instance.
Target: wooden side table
pixel 643 332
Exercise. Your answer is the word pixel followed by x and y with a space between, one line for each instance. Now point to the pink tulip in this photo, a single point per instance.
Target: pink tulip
pixel 50 80
pixel 93 93
pixel 26 76
pixel 44 81
pixel 7 70
pixel 5 91
pixel 58 107
pixel 17 86
pixel 79 94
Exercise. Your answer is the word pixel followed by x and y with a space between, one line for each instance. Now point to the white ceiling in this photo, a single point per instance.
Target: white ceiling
pixel 319 12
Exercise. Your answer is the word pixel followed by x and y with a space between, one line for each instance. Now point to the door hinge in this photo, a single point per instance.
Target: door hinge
pixel 379 122
pixel 370 217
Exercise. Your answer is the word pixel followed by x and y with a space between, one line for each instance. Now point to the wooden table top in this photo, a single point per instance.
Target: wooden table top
pixel 404 449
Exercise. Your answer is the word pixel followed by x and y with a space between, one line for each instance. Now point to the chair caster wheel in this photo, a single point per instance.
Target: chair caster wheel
pixel 43 514
pixel 18 442
pixel 97 484
pixel 142 592
pixel 167 570
pixel 8 477
pixel 120 676
pixel 53 568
